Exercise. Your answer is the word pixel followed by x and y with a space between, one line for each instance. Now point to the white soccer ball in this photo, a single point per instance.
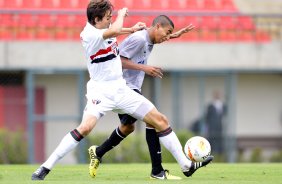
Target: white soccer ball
pixel 197 148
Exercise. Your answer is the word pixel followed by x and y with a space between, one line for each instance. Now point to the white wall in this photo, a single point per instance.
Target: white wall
pixel 259 105
pixel 182 56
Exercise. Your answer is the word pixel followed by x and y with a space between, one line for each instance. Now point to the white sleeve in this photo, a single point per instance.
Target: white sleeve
pixel 96 38
pixel 131 45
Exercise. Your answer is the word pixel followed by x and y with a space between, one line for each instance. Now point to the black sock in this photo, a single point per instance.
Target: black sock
pixel 115 138
pixel 155 150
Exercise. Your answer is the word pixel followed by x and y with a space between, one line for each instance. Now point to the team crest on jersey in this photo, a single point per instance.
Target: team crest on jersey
pixel 150 47
pixel 96 102
pixel 115 48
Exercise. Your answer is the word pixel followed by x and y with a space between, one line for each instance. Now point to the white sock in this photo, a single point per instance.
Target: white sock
pixel 67 144
pixel 172 144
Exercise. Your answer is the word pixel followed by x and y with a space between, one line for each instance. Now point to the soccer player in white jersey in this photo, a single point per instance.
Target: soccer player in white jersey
pixel 107 90
pixel 135 51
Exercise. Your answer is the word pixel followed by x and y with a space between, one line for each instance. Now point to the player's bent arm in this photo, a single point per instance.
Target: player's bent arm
pixel 128 64
pixel 116 28
pixel 149 70
pixel 137 27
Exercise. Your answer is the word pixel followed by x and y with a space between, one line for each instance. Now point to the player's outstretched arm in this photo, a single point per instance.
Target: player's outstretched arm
pixel 116 28
pixel 149 70
pixel 182 31
pixel 137 27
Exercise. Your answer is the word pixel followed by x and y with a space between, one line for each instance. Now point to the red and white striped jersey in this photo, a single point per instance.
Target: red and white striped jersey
pixel 103 60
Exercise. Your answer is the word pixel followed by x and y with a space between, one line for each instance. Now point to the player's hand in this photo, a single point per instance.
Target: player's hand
pixel 138 26
pixel 123 12
pixel 153 71
pixel 182 31
pixel 188 28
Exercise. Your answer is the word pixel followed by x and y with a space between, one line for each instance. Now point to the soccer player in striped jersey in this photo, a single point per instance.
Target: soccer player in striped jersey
pixel 135 51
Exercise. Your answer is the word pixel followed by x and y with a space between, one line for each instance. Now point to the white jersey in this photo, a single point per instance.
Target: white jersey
pixel 136 47
pixel 103 60
pixel 107 90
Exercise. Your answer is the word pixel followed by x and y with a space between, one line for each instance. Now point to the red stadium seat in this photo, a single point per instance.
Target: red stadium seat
pixel 141 5
pixel 24 35
pixel 209 22
pixel 192 4
pixel 132 20
pixel 11 4
pixel 227 5
pixel 192 20
pixel 191 36
pixel 47 4
pixel 75 34
pixel 8 20
pixel 67 4
pixel 262 36
pixel 245 23
pixel 46 20
pixel 210 5
pixel 208 36
pixel 246 36
pixel 43 34
pixel 6 35
pixel 27 20
pixel 30 4
pixel 160 5
pixel 64 21
pixel 79 21
pixel 82 4
pixel 227 36
pixel 62 35
pixel 227 23
pixel 118 4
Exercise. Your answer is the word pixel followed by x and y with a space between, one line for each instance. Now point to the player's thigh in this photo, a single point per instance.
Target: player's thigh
pixel 134 104
pixel 98 104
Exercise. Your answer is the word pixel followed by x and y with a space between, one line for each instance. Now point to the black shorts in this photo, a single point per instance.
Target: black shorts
pixel 126 119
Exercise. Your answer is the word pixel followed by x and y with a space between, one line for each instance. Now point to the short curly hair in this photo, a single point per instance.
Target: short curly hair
pixel 98 8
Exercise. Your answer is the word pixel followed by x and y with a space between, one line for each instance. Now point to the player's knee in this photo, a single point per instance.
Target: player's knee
pixel 163 119
pixel 84 130
pixel 86 126
pixel 160 118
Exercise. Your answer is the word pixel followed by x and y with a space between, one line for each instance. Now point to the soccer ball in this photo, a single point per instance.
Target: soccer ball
pixel 197 148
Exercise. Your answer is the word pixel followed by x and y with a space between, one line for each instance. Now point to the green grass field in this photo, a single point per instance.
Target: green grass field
pixel 139 173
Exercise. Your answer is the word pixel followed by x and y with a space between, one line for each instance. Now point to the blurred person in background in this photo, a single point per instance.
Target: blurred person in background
pixel 215 114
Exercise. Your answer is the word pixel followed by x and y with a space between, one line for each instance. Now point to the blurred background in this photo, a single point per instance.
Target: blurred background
pixel 223 80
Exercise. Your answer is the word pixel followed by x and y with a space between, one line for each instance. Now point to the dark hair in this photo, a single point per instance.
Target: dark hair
pixel 98 8
pixel 163 20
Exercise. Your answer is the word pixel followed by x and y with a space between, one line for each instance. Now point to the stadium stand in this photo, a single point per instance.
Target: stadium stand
pixel 69 15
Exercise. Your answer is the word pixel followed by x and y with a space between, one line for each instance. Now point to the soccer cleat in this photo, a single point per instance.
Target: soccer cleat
pixel 40 173
pixel 197 165
pixel 164 175
pixel 94 161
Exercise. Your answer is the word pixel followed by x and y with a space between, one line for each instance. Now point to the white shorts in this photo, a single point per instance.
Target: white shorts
pixel 115 96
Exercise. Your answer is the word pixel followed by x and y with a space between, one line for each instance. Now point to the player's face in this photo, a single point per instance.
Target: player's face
pixel 106 20
pixel 162 33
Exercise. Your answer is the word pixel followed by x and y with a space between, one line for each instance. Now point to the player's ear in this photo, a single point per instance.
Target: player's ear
pixel 96 20
pixel 158 25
